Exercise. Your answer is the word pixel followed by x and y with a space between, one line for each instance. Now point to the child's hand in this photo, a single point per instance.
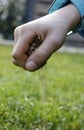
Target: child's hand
pixel 52 29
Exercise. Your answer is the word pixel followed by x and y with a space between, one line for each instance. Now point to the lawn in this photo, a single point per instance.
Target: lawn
pixel 49 99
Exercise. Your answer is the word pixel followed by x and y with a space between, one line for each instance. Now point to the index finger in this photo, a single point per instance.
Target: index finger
pixel 21 47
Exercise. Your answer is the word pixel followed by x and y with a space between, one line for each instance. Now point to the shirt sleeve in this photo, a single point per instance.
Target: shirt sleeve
pixel 57 4
pixel 80 6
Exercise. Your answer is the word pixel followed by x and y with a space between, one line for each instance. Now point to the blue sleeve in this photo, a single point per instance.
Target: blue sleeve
pixel 57 4
pixel 80 6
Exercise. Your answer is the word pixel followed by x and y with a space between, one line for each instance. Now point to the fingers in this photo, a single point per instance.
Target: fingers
pixel 21 45
pixel 41 54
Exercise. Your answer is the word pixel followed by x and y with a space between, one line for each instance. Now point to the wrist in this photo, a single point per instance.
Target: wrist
pixel 70 16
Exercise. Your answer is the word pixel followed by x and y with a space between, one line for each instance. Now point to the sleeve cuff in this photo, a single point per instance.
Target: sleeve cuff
pixel 80 6
pixel 57 4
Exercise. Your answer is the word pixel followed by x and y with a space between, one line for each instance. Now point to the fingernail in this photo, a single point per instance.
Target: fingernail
pixel 31 65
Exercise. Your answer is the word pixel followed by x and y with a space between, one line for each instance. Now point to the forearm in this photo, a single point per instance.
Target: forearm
pixel 70 15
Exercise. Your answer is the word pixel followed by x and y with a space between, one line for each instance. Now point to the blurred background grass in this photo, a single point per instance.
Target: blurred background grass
pixel 52 97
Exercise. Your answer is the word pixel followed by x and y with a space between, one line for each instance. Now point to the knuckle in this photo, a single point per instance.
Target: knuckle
pixel 19 30
pixel 16 30
pixel 15 55
pixel 22 29
pixel 56 43
pixel 41 56
pixel 13 61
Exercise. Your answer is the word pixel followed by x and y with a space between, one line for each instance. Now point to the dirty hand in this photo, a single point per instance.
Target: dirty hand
pixel 52 29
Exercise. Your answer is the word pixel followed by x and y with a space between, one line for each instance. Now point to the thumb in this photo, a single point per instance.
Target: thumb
pixel 41 54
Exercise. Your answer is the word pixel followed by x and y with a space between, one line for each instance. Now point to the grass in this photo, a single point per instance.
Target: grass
pixel 49 99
